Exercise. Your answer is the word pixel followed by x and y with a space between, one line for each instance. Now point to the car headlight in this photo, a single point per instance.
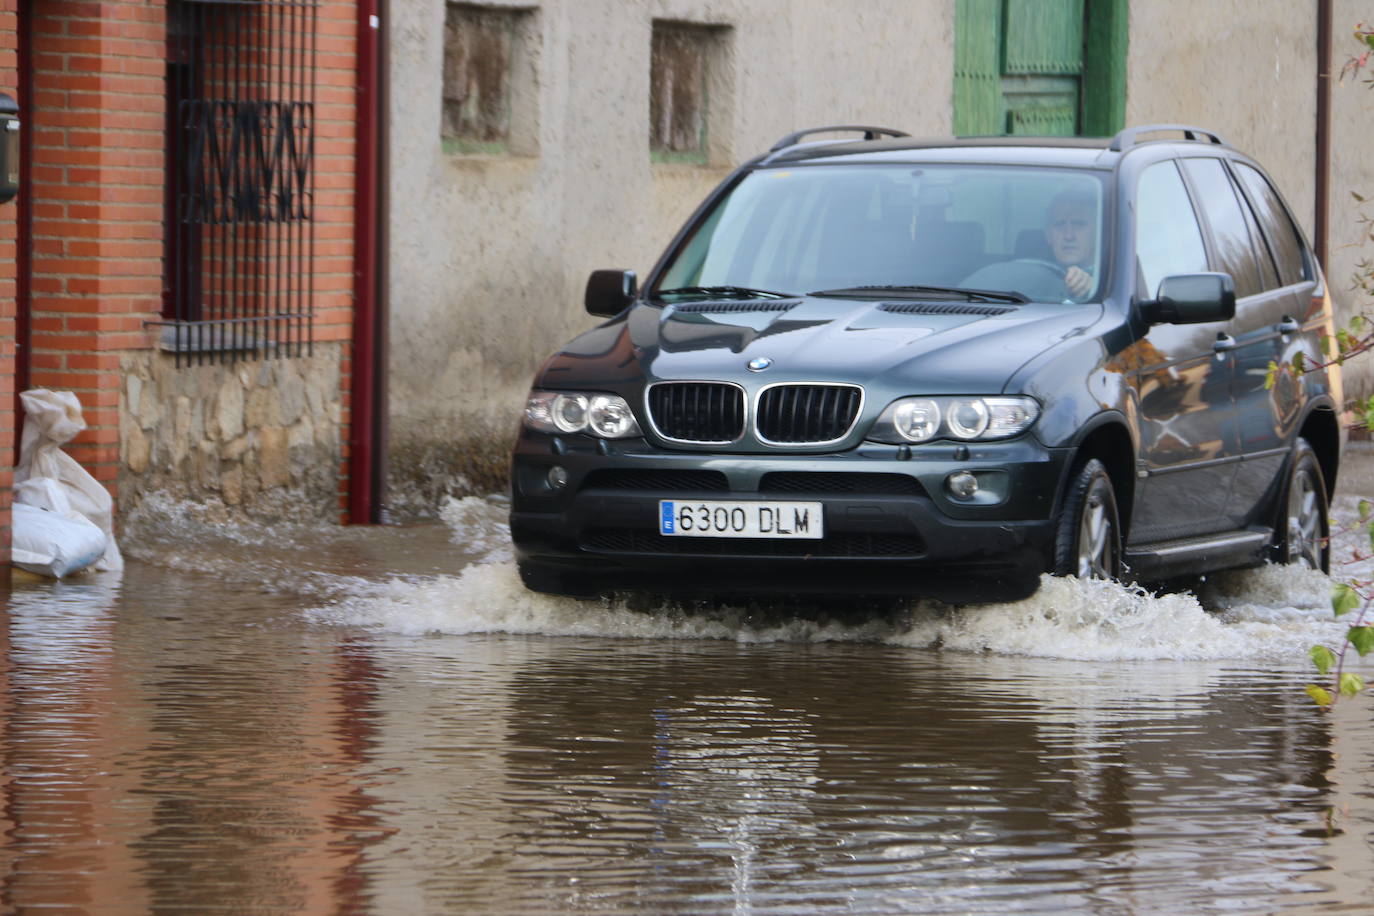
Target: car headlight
pixel 922 419
pixel 607 416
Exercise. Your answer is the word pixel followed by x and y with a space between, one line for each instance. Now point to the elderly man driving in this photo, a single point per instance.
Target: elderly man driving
pixel 1067 275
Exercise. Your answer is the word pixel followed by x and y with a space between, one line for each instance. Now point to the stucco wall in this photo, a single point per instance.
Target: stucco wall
pixel 261 436
pixel 1352 169
pixel 1244 68
pixel 489 254
pixel 1248 70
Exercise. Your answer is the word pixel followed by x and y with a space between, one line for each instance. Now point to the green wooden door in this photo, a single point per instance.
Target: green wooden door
pixel 1045 67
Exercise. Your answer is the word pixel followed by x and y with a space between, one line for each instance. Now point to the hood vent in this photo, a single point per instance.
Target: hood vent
pixel 737 307
pixel 944 308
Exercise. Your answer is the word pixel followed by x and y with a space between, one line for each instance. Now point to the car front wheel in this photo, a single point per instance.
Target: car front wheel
pixel 1088 542
pixel 1304 530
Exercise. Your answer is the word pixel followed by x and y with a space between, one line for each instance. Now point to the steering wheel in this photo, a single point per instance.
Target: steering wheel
pixel 1057 269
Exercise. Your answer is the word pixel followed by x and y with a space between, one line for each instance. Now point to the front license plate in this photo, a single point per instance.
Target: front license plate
pixel 711 519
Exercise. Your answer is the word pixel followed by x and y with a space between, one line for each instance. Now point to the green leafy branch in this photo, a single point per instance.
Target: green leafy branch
pixel 1355 338
pixel 1364 34
pixel 1348 597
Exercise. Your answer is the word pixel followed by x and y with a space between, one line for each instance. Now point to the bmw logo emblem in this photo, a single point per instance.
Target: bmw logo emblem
pixel 759 363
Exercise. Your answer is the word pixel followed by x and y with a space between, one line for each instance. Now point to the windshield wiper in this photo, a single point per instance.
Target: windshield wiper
pixel 724 292
pixel 928 292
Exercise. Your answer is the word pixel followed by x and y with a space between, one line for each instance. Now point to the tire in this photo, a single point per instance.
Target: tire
pixel 1088 541
pixel 1303 534
pixel 554 581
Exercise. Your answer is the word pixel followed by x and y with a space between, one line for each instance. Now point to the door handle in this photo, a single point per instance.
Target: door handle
pixel 1289 325
pixel 1223 343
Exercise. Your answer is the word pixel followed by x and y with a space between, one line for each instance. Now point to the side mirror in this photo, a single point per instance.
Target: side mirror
pixel 9 148
pixel 1192 299
pixel 610 291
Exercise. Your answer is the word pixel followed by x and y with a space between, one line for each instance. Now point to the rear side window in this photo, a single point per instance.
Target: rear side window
pixel 1167 238
pixel 1284 241
pixel 1235 249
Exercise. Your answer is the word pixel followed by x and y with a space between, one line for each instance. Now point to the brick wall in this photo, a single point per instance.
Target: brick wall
pixel 98 209
pixel 97 204
pixel 335 100
pixel 9 83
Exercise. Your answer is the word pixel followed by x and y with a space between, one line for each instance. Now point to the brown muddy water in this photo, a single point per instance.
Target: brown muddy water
pixel 287 720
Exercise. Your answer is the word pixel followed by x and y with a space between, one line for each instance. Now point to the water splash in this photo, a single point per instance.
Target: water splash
pixel 1271 612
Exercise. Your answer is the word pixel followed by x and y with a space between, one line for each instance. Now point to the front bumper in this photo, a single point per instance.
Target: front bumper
pixel 890 527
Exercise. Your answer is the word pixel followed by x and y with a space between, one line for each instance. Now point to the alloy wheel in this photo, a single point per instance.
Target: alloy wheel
pixel 1096 544
pixel 1305 521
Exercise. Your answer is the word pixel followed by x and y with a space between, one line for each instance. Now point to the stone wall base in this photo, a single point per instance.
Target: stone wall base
pixel 262 437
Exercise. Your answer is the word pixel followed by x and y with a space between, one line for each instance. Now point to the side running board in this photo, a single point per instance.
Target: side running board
pixel 1179 557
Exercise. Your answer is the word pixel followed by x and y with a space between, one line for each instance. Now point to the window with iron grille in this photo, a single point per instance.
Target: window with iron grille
pixel 238 274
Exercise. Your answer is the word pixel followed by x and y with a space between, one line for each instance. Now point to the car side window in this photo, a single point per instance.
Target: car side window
pixel 1235 249
pixel 1269 277
pixel 1284 241
pixel 1167 238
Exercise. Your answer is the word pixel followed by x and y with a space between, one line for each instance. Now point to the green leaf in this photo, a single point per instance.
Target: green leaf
pixel 1371 534
pixel 1357 323
pixel 1325 344
pixel 1357 196
pixel 1351 684
pixel 1362 638
pixel 1270 374
pixel 1365 508
pixel 1343 598
pixel 1319 696
pixel 1322 657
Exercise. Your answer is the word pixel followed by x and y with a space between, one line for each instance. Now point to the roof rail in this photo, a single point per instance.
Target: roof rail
pixel 1127 138
pixel 870 133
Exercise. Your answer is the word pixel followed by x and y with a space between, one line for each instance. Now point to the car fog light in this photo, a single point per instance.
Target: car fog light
pixel 558 477
pixel 961 485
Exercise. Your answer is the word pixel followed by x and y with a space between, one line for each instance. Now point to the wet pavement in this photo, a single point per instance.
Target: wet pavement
pixel 286 720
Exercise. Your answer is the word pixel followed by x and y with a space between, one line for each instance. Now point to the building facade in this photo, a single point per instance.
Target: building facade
pixel 532 142
pixel 181 253
pixel 203 249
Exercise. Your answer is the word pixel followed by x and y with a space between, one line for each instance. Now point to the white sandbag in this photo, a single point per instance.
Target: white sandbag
pixel 52 418
pixel 45 493
pixel 51 545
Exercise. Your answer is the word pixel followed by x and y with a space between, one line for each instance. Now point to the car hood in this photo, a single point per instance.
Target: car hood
pixel 930 347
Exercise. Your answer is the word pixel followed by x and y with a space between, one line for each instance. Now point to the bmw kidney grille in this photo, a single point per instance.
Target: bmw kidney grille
pixel 713 412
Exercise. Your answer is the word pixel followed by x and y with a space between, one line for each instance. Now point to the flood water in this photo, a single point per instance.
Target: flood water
pixel 281 720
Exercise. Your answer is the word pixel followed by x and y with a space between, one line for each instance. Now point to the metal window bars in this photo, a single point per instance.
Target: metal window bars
pixel 240 179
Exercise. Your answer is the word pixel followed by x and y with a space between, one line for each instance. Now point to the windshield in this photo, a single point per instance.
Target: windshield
pixel 1032 231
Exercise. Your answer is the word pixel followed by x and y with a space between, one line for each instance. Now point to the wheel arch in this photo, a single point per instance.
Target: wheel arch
pixel 1108 439
pixel 1322 430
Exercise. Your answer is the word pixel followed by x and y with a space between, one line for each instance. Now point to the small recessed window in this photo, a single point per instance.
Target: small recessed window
pixel 488 80
pixel 689 93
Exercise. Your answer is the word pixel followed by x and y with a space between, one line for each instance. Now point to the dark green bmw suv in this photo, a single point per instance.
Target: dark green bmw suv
pixel 942 368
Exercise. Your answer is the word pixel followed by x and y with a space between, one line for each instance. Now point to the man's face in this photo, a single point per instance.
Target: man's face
pixel 1070 234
